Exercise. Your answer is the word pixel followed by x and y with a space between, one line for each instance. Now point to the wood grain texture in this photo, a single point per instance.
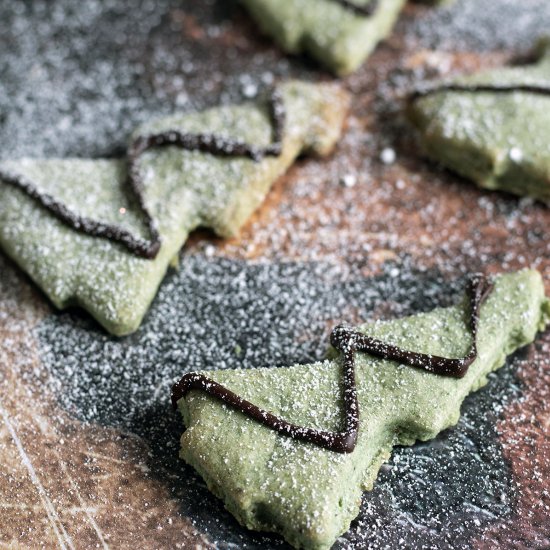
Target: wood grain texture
pixel 69 484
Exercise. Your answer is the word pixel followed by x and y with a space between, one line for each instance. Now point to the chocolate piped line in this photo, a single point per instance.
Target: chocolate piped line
pixel 140 247
pixel 206 143
pixel 348 342
pixel 365 11
pixel 340 442
pixel 480 88
pixel 211 143
pixel 343 338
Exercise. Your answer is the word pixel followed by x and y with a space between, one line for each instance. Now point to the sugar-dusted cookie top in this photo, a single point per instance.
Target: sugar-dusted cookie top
pixel 308 493
pixel 492 127
pixel 339 34
pixel 182 189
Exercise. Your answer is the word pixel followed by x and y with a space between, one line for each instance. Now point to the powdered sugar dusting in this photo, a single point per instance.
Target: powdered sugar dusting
pixel 225 314
pixel 79 77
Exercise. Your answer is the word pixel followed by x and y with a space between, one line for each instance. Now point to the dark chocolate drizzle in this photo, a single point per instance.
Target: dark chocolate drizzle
pixel 480 88
pixel 206 143
pixel 140 247
pixel 348 342
pixel 365 11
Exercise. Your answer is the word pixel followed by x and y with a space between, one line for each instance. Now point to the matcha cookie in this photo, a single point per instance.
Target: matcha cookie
pixel 492 127
pixel 273 480
pixel 203 169
pixel 339 34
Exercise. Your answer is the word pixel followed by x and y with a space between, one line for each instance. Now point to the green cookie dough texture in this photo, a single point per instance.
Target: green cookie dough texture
pixel 309 494
pixel 183 190
pixel 334 35
pixel 498 140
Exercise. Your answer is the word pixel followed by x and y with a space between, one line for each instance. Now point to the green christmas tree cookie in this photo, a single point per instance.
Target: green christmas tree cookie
pixel 333 32
pixel 307 493
pixel 182 189
pixel 492 127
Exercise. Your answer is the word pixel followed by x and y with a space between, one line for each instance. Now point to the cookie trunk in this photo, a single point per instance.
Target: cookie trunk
pixel 308 494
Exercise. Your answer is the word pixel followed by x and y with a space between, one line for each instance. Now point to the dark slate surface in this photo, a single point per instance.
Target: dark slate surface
pixel 75 79
pixel 438 494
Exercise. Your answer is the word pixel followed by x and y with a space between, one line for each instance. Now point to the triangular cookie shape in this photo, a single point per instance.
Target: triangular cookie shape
pixel 181 190
pixel 492 128
pixel 339 34
pixel 307 493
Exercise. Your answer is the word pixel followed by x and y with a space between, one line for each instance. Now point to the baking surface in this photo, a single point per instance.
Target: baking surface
pixel 88 441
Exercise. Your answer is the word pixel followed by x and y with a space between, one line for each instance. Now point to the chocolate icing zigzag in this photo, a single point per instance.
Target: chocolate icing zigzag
pixel 348 342
pixel 206 143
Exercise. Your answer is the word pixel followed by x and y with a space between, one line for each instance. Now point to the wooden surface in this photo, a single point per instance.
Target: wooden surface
pixel 75 479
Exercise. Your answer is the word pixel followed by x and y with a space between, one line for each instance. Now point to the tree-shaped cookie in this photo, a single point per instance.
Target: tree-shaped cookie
pixel 492 127
pixel 309 438
pixel 339 34
pixel 96 234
